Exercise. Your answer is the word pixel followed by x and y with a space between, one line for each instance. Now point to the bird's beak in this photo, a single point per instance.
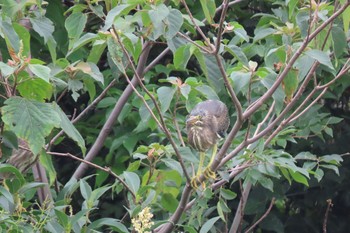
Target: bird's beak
pixel 192 120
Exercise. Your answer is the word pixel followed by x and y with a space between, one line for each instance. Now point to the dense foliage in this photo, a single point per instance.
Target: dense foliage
pixel 94 99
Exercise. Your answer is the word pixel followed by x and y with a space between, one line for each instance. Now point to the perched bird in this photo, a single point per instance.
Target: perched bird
pixel 207 122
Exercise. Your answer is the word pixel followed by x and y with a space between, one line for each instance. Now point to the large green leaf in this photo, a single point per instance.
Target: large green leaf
pixel 165 95
pixel 132 180
pixel 41 71
pixel 30 120
pixel 36 89
pixel 43 26
pixel 69 128
pixel 75 25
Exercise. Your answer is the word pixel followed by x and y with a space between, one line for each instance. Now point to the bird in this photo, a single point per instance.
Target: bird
pixel 205 125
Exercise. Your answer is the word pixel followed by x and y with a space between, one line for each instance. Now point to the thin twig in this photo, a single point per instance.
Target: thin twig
pixel 199 30
pixel 329 206
pixel 262 217
pixel 105 169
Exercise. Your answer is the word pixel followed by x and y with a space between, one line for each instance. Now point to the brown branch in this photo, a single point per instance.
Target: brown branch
pixel 199 30
pixel 262 217
pixel 107 127
pixel 329 206
pixel 105 169
pixel 161 124
pixel 293 59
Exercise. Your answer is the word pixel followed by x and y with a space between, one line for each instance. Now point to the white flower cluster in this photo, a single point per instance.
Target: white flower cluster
pixel 142 222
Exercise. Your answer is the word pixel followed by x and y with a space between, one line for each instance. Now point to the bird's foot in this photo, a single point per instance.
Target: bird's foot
pixel 195 181
pixel 208 173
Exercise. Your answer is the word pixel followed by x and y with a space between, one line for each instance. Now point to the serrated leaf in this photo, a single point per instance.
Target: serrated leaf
pixel 36 89
pixel 30 120
pixel 165 96
pixel 208 225
pixel 41 71
pixel 132 180
pixel 69 128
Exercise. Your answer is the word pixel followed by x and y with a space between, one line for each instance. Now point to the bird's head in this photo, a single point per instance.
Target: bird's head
pixel 196 119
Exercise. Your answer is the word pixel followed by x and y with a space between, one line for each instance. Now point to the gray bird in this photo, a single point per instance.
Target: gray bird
pixel 207 122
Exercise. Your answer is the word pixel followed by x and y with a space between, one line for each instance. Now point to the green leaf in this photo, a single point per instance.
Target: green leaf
pixel 209 8
pixel 298 177
pixel 157 15
pixel 85 39
pixel 9 139
pixel 181 57
pixel 132 180
pixel 90 69
pixel 40 71
pixel 208 92
pixel 333 159
pixel 261 33
pixel 6 70
pixel 75 24
pixel 237 53
pixel 173 164
pixel 321 57
pixel 43 26
pixel 339 41
pixel 69 128
pixel 208 225
pixel 115 12
pixel 35 89
pixel 29 186
pixel 165 96
pixel 96 51
pixel 11 37
pixel 240 81
pixel 7 168
pixel 319 174
pixel 169 202
pixel 111 222
pixel 85 189
pixel 30 120
pixel 290 84
pixel 175 22
pixel 24 36
pixel 331 167
pixel 227 194
pixel 266 183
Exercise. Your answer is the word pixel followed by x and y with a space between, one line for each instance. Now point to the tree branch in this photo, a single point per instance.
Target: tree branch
pixel 107 127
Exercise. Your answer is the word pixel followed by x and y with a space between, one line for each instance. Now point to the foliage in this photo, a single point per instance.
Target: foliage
pixel 133 70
